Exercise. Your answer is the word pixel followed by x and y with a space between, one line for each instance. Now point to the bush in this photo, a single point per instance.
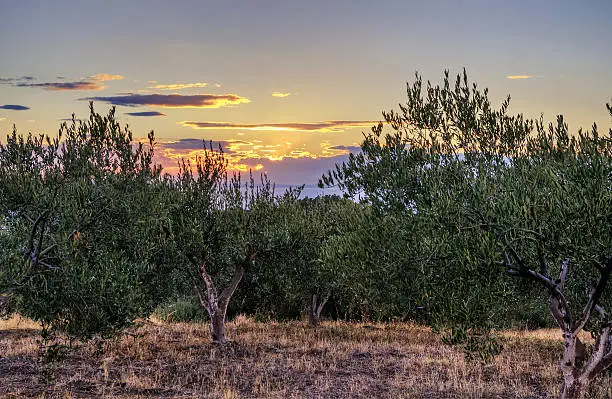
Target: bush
pixel 181 310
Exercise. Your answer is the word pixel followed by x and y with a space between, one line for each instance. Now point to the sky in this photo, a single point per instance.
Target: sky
pixel 288 87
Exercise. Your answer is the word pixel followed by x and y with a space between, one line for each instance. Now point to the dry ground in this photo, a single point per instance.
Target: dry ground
pixel 282 360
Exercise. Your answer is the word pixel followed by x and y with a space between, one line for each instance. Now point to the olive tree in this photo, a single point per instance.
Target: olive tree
pixel 221 227
pixel 302 277
pixel 498 192
pixel 81 224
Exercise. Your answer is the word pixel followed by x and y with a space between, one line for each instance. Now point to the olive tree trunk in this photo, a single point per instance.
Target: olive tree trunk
pixel 216 305
pixel 315 309
pixel 578 370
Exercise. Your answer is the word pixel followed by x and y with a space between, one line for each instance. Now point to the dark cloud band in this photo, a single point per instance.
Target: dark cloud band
pixel 14 107
pixel 173 100
pixel 92 83
pixel 146 113
pixel 15 80
pixel 65 86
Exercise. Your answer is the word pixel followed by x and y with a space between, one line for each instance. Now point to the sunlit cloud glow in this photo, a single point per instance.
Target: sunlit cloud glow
pixel 519 76
pixel 280 94
pixel 179 86
pixel 326 126
pixel 173 100
pixel 244 155
pixel 103 77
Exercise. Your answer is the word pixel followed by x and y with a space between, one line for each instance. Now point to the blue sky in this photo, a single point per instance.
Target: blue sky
pixel 288 86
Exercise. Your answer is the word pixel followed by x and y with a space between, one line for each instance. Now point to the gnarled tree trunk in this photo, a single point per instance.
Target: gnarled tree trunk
pixel 216 305
pixel 578 371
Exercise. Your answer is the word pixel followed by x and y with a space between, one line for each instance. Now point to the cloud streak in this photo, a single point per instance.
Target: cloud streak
pixel 173 100
pixel 146 113
pixel 323 127
pixel 349 148
pixel 179 86
pixel 103 77
pixel 65 86
pixel 279 94
pixel 519 76
pixel 92 83
pixel 14 107
pixel 14 80
pixel 196 144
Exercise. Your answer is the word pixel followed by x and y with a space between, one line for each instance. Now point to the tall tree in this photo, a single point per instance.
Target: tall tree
pixel 499 192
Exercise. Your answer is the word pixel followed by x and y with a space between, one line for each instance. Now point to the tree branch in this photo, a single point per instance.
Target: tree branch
pixel 211 292
pixel 322 304
pixel 600 360
pixel 203 302
pixel 558 304
pixel 595 295
pixel 563 273
pixel 227 293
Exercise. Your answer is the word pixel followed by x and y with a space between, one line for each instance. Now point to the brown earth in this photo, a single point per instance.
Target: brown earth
pixel 281 360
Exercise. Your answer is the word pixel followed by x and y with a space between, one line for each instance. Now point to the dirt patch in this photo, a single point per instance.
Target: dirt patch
pixel 280 360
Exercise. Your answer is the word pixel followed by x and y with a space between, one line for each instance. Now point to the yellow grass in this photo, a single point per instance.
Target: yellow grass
pixel 282 360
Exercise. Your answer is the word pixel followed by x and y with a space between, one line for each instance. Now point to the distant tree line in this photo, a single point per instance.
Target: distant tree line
pixel 456 198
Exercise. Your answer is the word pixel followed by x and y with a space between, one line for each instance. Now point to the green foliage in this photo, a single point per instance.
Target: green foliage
pixel 180 310
pixel 477 344
pixel 219 222
pixel 84 225
pixel 282 284
pixel 484 192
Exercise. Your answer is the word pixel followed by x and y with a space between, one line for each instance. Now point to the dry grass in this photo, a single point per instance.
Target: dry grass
pixel 282 360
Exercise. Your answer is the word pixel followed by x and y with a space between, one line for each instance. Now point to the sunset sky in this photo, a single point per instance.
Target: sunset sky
pixel 287 87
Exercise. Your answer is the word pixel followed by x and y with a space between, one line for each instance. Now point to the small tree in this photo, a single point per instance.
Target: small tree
pixel 304 276
pixel 221 227
pixel 496 190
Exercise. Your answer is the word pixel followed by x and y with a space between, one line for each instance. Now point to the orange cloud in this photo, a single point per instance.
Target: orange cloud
pixel 102 77
pixel 179 86
pixel 244 155
pixel 323 127
pixel 519 76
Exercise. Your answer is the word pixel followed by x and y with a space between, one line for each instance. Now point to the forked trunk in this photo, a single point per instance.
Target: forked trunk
pixel 216 305
pixel 578 370
pixel 315 310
